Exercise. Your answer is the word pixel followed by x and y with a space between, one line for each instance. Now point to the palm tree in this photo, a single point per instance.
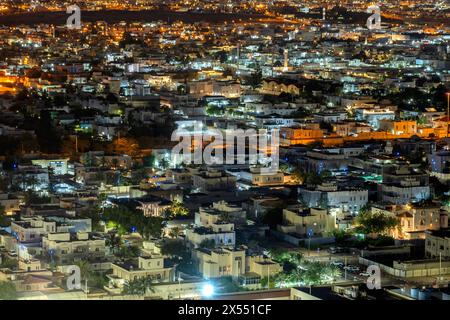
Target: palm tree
pixel 140 286
pixel 114 241
pixel 174 232
pixel 225 217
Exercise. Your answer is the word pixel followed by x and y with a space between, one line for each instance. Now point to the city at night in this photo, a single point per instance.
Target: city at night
pixel 201 152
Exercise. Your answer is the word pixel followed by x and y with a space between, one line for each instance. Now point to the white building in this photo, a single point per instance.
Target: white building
pixel 328 195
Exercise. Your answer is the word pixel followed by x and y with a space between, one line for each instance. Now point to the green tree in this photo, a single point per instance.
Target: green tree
pixel 298 176
pixel 94 279
pixel 7 291
pixel 256 77
pixel 93 213
pixel 378 223
pixel 138 175
pixel 175 248
pixel 207 244
pixel 177 209
pixel 139 286
pixel 9 263
pixel 263 282
pixel 174 232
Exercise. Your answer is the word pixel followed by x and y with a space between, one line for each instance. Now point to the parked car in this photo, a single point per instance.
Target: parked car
pixel 351 268
pixel 339 264
pixel 364 274
pixel 332 250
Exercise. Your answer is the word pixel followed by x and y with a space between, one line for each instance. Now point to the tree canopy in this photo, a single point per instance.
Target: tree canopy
pixel 368 222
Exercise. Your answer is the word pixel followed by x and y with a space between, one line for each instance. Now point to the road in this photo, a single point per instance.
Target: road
pixel 352 258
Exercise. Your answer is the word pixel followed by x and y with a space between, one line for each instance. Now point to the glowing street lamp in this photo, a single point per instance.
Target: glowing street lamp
pixel 208 290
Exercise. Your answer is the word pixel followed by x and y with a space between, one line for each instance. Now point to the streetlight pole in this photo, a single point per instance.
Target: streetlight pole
pixel 345 268
pixel 179 287
pixel 448 111
pixel 309 246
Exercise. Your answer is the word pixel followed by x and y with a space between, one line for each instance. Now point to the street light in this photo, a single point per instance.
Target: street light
pixel 208 290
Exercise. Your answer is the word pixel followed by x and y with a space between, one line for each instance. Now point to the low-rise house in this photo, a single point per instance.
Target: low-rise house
pixel 33 178
pixel 398 127
pixel 32 228
pixel 373 116
pixel 211 180
pixel 220 211
pixel 66 247
pixel 218 233
pixel 440 165
pixel 58 167
pixel 330 195
pixel 437 244
pixel 255 176
pixel 415 218
pixel 307 222
pixel 234 262
pixel 10 203
pixel 301 134
pixel 154 266
pixel 404 184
